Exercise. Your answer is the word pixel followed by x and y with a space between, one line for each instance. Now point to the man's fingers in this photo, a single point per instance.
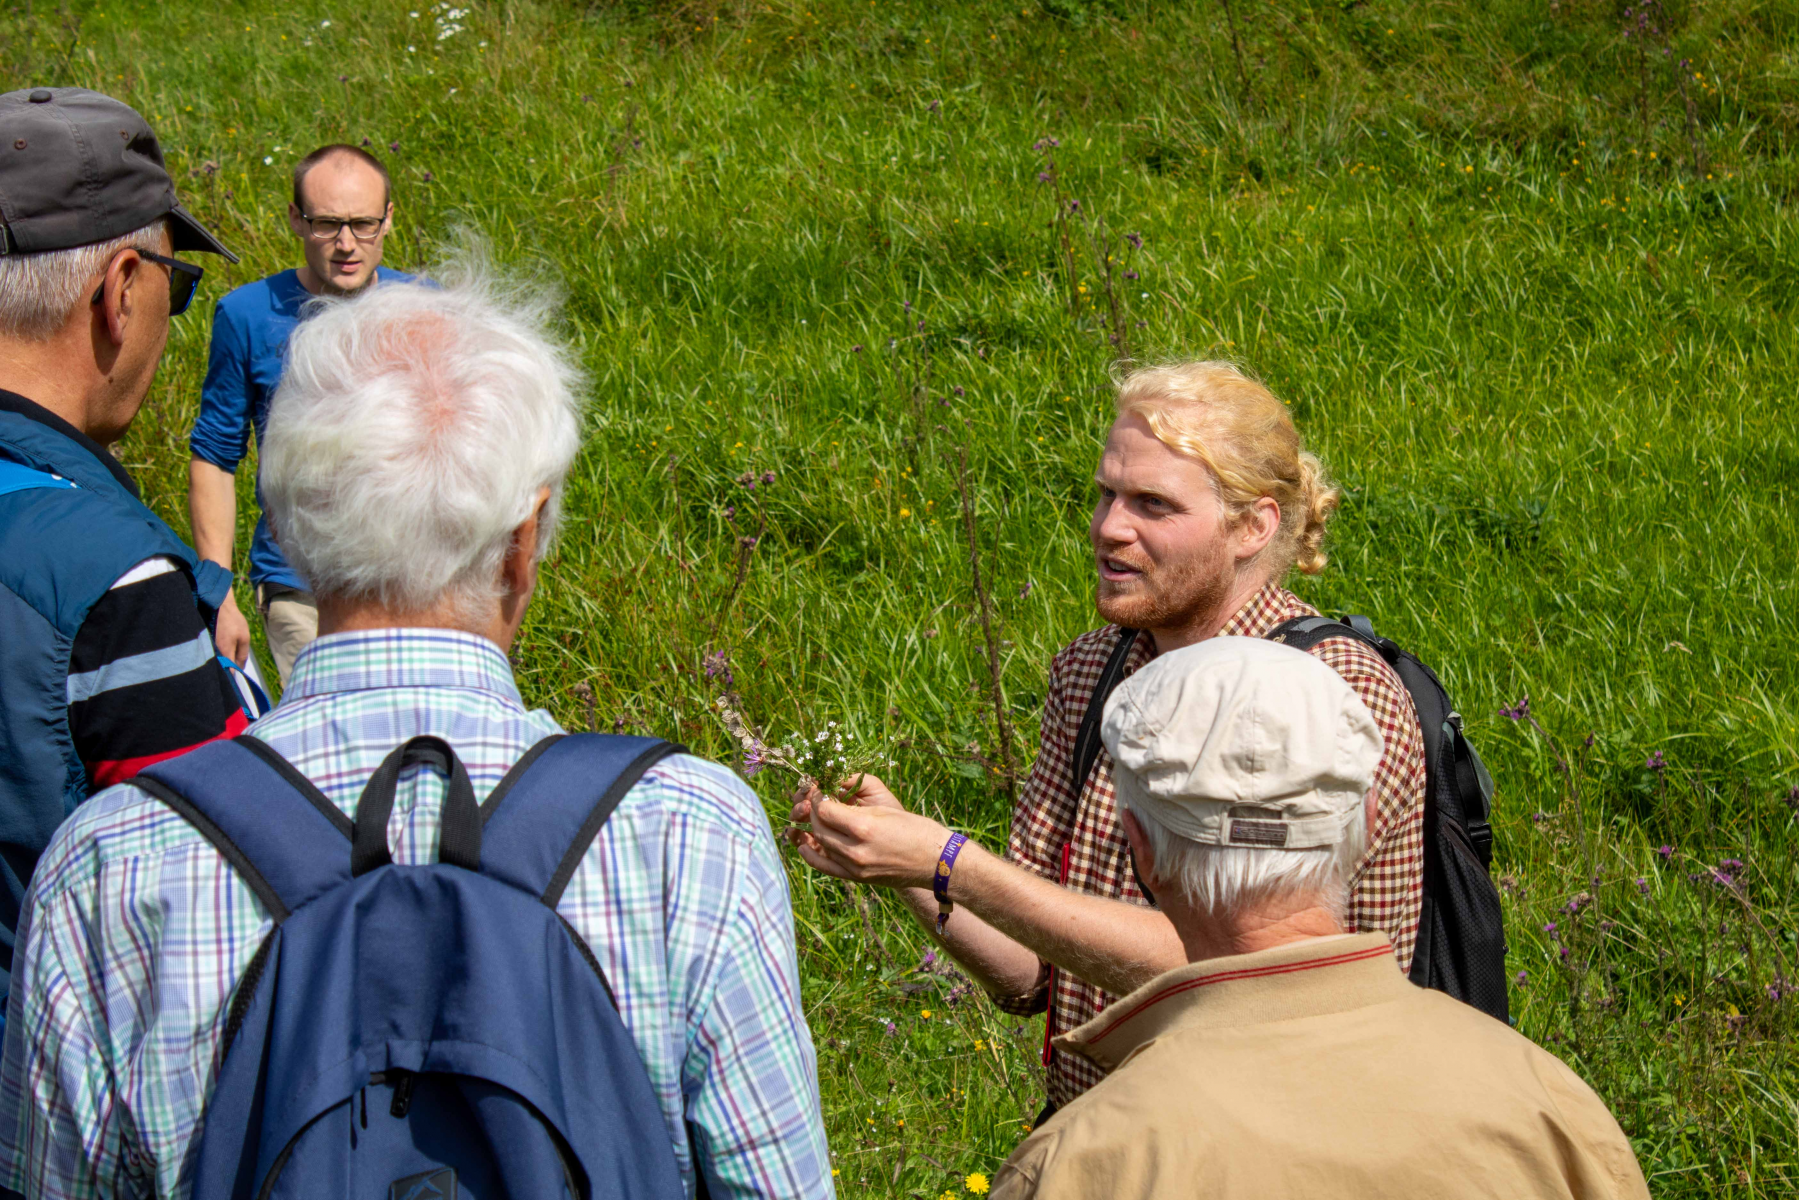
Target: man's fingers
pixel 821 862
pixel 801 812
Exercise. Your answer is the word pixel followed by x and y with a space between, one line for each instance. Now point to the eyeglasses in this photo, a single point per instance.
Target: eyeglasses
pixel 326 229
pixel 184 279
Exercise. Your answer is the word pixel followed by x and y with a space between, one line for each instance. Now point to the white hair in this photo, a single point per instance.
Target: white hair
pixel 39 291
pixel 1229 881
pixel 411 433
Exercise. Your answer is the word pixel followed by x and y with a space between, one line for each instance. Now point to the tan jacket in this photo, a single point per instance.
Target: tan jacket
pixel 1317 1070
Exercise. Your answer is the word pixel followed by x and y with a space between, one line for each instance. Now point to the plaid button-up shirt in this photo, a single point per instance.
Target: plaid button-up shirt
pixel 136 933
pixel 1074 836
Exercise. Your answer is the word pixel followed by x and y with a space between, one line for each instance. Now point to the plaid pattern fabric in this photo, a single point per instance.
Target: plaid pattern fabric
pixel 136 933
pixel 1076 839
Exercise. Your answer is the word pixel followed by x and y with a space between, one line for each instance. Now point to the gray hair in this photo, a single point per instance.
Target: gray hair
pixel 1228 881
pixel 412 430
pixel 39 291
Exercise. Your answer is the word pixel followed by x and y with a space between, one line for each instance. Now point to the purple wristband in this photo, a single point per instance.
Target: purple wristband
pixel 940 880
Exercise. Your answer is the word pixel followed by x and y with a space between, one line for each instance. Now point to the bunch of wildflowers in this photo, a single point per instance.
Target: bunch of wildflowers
pixel 831 758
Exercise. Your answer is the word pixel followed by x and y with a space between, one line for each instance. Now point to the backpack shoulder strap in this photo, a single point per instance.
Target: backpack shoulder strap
pixel 540 819
pixel 1086 740
pixel 1302 633
pixel 282 836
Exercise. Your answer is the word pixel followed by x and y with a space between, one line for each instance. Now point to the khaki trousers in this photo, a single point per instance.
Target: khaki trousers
pixel 290 621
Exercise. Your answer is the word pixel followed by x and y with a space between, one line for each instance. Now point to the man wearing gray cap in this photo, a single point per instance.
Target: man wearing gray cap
pixel 106 658
pixel 1288 1058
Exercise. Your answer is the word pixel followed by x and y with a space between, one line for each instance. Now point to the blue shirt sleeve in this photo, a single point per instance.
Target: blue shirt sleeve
pixel 221 432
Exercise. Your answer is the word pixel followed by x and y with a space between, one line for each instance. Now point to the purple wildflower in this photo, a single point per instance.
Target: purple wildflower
pixel 1667 852
pixel 718 665
pixel 1549 928
pixel 1043 177
pixel 856 349
pixel 934 106
pixel 1518 711
pixel 730 511
pixel 1074 206
pixel 1026 589
pixel 959 391
pixel 1521 978
pixel 908 305
pixel 892 1029
pixel 1045 143
pixel 366 142
pixel 1564 954
pixel 747 542
pixel 1655 761
pixel 768 477
pixel 1642 885
pixel 753 760
pixel 1130 275
pixel 1135 239
pixel 394 147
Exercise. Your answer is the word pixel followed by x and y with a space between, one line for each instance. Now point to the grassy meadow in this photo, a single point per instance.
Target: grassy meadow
pixel 1525 270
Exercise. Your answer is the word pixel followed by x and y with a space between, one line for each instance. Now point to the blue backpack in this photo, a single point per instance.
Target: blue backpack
pixel 415 1032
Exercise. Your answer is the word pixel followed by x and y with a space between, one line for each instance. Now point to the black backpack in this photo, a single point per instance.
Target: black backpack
pixel 1461 932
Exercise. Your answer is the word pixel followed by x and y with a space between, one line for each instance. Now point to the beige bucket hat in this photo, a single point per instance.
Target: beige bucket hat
pixel 1239 741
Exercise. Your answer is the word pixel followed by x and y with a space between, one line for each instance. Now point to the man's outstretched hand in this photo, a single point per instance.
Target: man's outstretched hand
pixel 871 839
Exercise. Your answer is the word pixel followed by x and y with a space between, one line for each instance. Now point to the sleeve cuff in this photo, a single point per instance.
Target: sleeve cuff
pixel 1027 1004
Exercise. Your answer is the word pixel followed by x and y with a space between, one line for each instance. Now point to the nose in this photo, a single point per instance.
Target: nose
pixel 1111 523
pixel 345 240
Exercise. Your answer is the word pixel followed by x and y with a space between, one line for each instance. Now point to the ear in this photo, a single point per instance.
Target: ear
pixel 296 222
pixel 1257 527
pixel 1141 849
pixel 120 298
pixel 519 570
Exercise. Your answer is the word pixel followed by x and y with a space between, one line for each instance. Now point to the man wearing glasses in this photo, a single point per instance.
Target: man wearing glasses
pixel 106 656
pixel 342 211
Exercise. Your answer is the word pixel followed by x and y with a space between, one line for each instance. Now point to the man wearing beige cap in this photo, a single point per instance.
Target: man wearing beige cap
pixel 1288 1058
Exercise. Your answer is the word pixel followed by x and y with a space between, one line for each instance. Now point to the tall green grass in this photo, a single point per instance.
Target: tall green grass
pixel 1536 319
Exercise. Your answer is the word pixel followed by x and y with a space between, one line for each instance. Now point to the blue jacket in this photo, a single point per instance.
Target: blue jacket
pixel 61 549
pixel 250 328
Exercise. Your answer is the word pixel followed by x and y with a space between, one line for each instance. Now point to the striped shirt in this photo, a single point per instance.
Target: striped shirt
pixel 136 933
pixel 144 680
pixel 1074 837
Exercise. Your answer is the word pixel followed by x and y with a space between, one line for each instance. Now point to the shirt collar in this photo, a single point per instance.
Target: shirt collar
pixel 1320 975
pixel 1271 605
pixel 12 402
pixel 366 659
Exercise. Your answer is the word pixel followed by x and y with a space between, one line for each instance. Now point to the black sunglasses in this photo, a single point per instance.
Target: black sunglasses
pixel 184 280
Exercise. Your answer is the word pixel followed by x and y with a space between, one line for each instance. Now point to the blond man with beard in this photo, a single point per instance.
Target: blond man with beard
pixel 1207 500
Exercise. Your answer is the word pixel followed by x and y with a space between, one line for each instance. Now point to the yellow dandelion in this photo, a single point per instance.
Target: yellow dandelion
pixel 905 512
pixel 926 1014
pixel 976 1183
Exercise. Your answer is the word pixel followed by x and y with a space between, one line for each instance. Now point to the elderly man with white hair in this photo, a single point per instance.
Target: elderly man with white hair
pixel 448 412
pixel 1289 1058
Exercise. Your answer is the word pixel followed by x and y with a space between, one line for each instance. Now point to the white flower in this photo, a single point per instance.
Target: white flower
pixel 268 160
pixel 480 45
pixel 412 49
pixel 414 16
pixel 324 24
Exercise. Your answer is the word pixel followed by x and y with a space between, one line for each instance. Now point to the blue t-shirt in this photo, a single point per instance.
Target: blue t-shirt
pixel 250 327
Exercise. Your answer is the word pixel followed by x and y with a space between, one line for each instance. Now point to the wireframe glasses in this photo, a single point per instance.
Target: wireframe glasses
pixel 326 229
pixel 184 279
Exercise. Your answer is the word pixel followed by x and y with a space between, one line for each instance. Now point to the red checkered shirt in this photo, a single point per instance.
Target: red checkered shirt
pixel 1076 839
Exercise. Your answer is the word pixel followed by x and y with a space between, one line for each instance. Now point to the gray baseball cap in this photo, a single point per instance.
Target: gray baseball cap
pixel 78 167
